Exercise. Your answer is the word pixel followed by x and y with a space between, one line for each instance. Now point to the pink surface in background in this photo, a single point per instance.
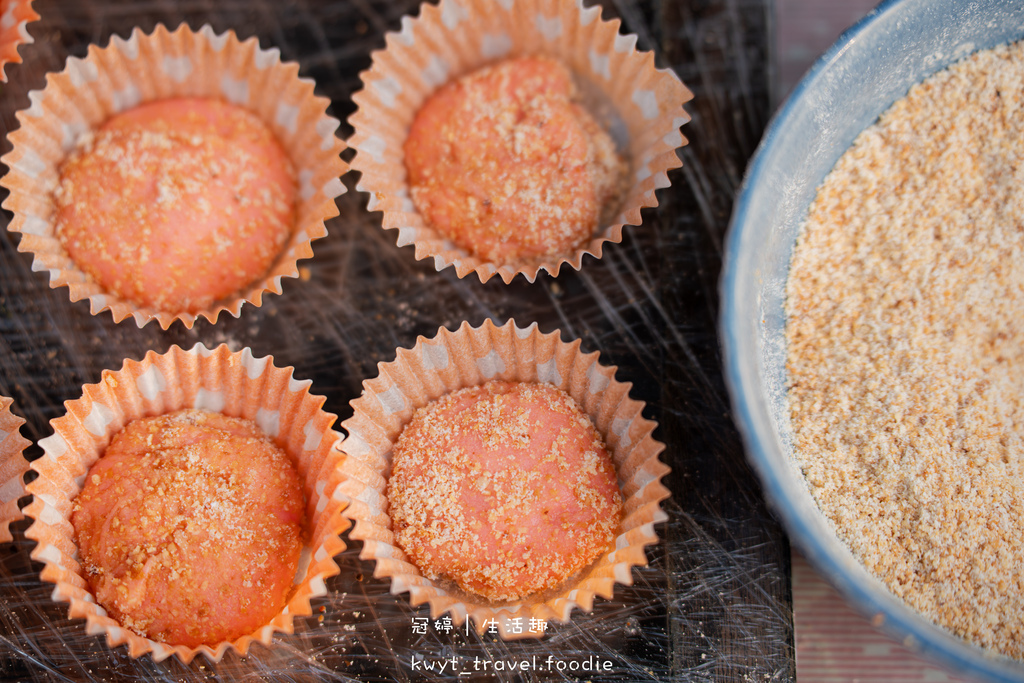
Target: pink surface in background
pixel 835 644
pixel 806 28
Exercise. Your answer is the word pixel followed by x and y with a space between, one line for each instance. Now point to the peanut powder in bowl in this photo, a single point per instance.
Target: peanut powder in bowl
pixel 868 325
pixel 906 350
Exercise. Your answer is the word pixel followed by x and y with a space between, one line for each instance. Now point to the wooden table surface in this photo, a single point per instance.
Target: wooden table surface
pixel 713 605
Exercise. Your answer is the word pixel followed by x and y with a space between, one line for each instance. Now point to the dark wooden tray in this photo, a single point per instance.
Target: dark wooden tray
pixel 714 603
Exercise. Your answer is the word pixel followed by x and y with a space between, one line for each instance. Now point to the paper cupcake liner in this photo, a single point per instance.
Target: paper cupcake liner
pixel 15 15
pixel 235 384
pixel 13 467
pixel 469 357
pixel 459 36
pixel 156 66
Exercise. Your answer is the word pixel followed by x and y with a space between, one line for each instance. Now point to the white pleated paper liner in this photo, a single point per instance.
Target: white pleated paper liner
pixel 15 16
pixel 458 36
pixel 13 467
pixel 236 384
pixel 161 65
pixel 469 357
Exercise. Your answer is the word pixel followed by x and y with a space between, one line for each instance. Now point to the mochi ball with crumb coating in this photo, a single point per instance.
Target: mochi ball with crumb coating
pixel 507 164
pixel 505 489
pixel 190 527
pixel 176 204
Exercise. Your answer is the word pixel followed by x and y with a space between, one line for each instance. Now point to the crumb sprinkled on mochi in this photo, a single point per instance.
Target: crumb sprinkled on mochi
pixel 176 204
pixel 190 527
pixel 507 164
pixel 505 488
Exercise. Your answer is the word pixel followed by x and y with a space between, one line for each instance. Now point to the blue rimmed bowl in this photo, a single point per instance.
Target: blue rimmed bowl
pixel 872 65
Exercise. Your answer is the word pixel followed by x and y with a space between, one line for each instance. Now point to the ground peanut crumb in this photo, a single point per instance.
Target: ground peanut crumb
pixel 505 488
pixel 178 523
pixel 508 164
pixel 906 348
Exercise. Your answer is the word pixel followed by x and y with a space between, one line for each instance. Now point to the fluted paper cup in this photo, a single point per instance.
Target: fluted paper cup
pixel 156 66
pixel 13 467
pixel 640 105
pixel 236 384
pixel 15 16
pixel 470 357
